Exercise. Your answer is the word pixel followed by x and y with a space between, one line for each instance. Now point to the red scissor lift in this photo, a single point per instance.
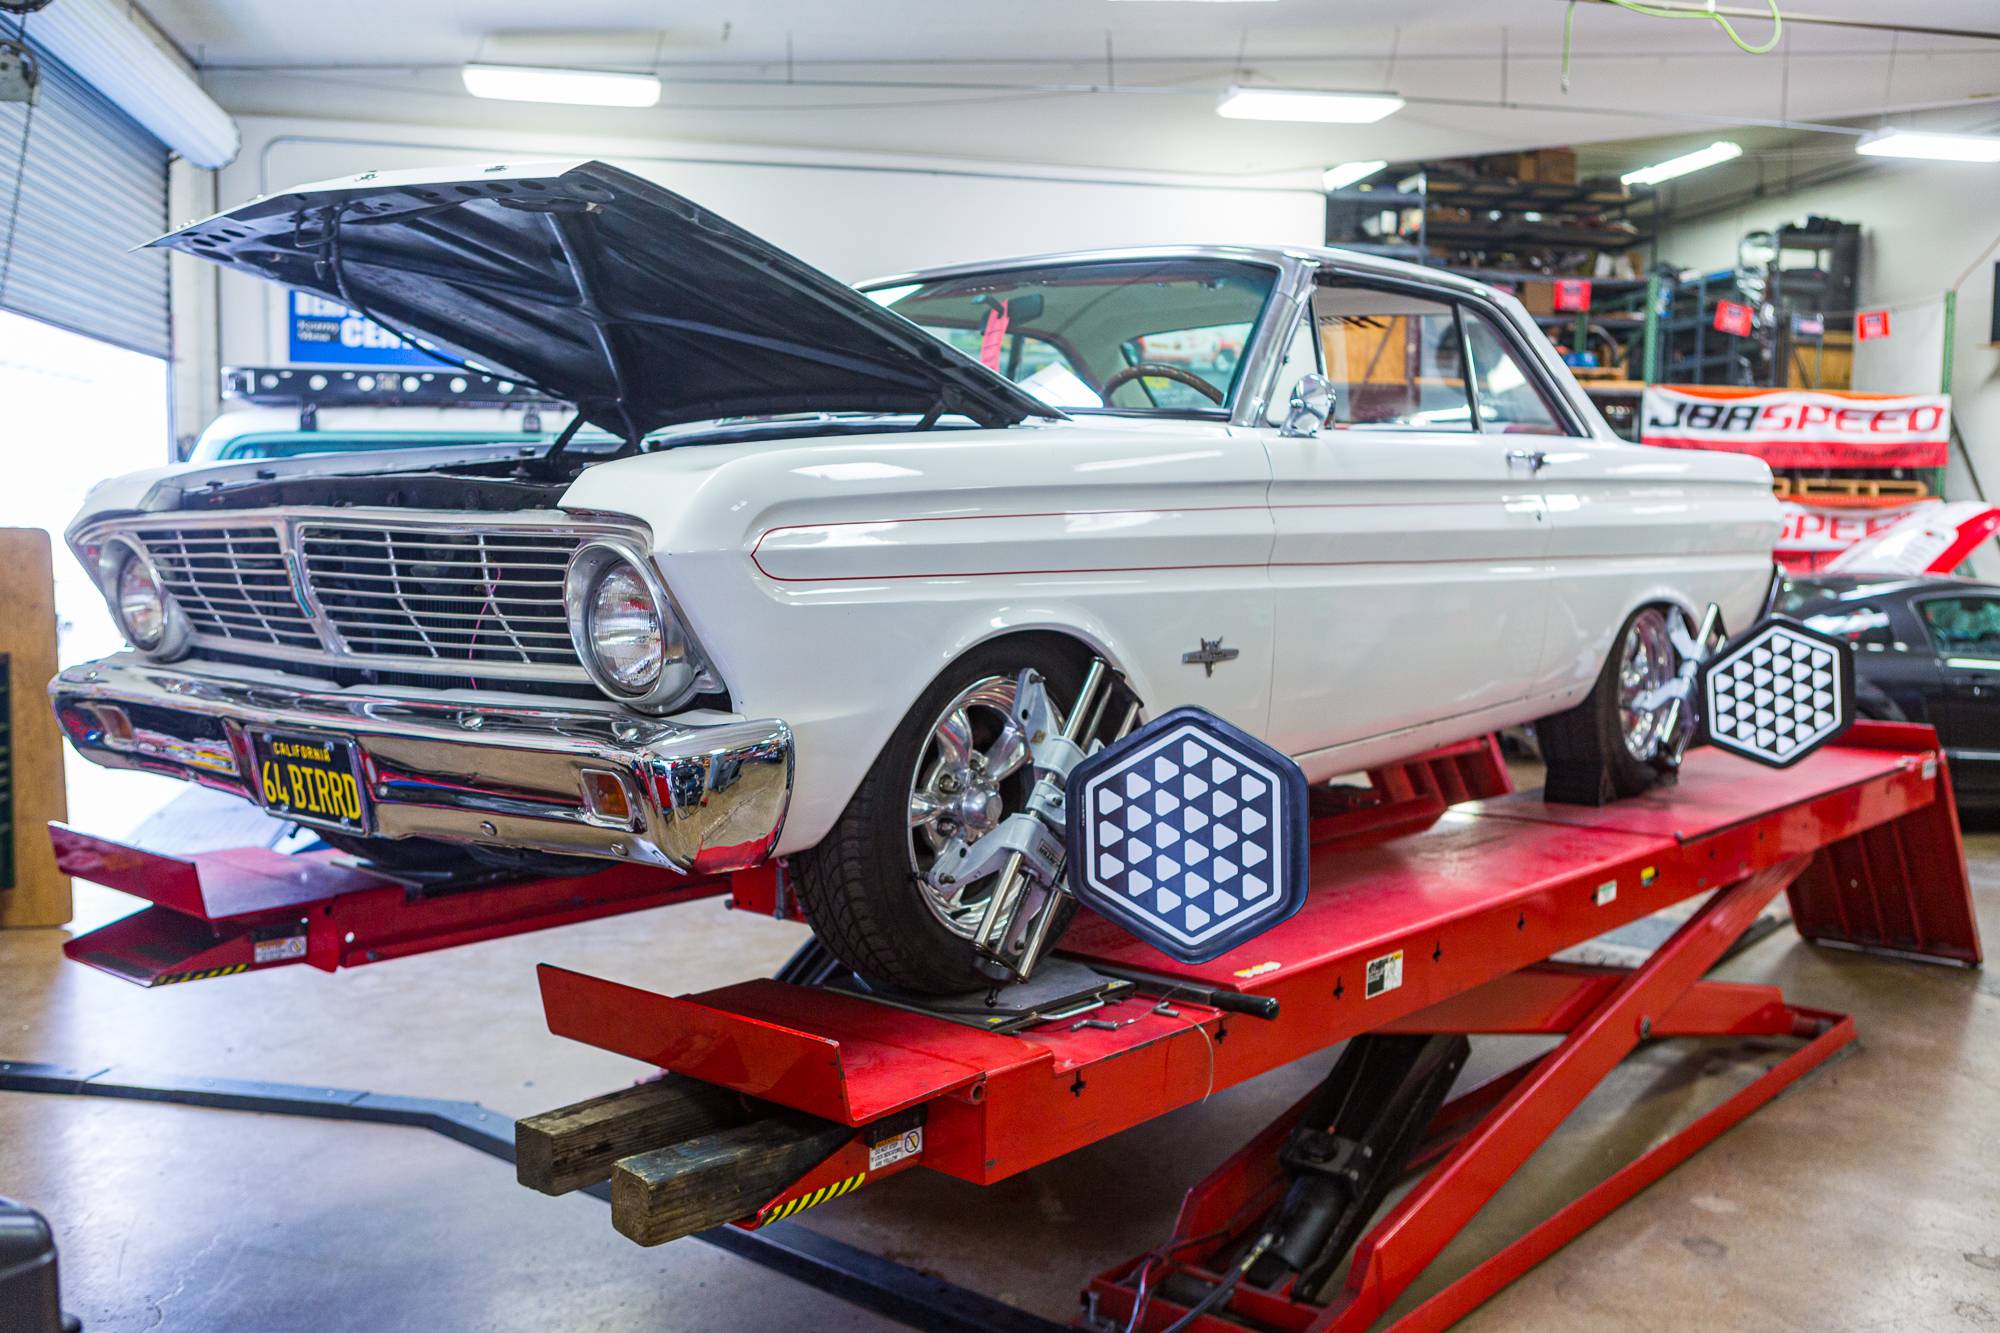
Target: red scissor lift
pixel 1436 907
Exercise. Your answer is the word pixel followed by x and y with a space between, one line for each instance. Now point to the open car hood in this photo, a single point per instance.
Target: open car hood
pixel 602 288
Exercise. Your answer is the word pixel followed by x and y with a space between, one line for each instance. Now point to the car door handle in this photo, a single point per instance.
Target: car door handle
pixel 1534 458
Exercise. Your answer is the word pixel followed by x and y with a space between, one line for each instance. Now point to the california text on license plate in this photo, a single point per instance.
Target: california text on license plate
pixel 310 778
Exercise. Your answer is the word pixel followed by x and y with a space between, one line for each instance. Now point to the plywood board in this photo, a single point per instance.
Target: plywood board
pixel 39 894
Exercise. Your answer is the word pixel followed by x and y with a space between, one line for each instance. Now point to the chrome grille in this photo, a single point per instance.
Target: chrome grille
pixel 458 599
pixel 232 583
pixel 473 598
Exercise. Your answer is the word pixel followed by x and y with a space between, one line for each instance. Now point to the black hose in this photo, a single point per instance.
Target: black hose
pixel 1221 1291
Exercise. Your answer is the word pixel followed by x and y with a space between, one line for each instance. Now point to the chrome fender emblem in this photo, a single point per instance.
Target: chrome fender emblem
pixel 1210 652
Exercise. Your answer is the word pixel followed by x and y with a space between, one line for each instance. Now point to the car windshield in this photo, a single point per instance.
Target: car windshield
pixel 1126 335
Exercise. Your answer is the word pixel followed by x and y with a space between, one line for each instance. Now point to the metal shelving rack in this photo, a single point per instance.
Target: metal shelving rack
pixel 1511 225
pixel 1508 217
pixel 1691 351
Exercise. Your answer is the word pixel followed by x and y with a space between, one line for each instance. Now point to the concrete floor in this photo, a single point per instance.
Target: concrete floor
pixel 1866 1198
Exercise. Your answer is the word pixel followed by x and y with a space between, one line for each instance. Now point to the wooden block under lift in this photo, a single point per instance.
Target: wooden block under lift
pixel 686 1188
pixel 682 1156
pixel 575 1146
pixel 32 891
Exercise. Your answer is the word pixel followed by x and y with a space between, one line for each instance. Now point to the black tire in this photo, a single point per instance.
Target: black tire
pixel 859 887
pixel 1584 746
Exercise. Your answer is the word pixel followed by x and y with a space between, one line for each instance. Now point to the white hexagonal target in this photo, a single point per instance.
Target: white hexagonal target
pixel 1778 693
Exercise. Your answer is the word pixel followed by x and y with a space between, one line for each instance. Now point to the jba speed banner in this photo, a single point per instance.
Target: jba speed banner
pixel 1801 428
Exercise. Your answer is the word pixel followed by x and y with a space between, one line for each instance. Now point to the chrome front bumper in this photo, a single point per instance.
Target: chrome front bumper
pixel 697 798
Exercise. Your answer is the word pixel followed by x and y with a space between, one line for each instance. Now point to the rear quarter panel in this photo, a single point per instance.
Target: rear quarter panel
pixel 1632 526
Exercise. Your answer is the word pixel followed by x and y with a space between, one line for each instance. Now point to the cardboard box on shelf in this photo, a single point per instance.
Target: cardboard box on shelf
pixel 1544 166
pixel 1555 166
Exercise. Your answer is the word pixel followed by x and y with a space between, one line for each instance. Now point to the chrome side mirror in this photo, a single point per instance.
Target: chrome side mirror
pixel 1312 406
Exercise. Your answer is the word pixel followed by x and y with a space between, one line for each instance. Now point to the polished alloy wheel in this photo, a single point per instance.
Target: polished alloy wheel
pixel 972 772
pixel 1646 662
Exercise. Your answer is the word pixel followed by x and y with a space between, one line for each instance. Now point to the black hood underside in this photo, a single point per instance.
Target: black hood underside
pixel 604 289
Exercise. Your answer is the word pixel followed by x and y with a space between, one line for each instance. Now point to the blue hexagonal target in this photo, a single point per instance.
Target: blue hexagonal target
pixel 1190 833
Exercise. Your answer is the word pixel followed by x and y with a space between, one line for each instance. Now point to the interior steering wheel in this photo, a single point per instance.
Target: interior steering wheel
pixel 1141 369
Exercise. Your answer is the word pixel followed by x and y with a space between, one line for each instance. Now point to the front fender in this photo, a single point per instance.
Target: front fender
pixel 830 580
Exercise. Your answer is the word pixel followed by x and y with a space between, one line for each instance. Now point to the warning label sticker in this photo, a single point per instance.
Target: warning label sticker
pixel 1384 975
pixel 1607 892
pixel 280 950
pixel 907 1144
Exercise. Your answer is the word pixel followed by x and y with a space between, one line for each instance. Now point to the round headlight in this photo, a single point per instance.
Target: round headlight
pixel 627 630
pixel 625 633
pixel 142 605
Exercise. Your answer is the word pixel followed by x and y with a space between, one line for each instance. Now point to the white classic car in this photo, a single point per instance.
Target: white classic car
pixel 1355 507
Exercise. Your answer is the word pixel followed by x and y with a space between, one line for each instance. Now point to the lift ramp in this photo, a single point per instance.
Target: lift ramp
pixel 1445 931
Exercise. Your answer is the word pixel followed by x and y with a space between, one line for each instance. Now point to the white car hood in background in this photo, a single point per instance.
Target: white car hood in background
pixel 1936 539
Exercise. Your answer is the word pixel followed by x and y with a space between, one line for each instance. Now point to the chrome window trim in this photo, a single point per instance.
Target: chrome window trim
pixel 333 651
pixel 1458 297
pixel 1305 261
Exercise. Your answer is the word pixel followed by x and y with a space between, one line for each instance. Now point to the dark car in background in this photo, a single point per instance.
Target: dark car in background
pixel 1927 649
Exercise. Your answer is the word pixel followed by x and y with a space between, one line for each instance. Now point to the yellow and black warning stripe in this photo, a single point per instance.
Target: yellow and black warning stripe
pixel 173 977
pixel 813 1200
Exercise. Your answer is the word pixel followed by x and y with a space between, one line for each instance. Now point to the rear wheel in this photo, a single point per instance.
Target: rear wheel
pixel 956 767
pixel 1617 742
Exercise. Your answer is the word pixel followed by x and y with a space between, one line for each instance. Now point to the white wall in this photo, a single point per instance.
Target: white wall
pixel 1927 228
pixel 854 216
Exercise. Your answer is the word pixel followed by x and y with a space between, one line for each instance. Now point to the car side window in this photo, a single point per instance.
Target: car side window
pixel 1396 360
pixel 1509 400
pixel 1963 626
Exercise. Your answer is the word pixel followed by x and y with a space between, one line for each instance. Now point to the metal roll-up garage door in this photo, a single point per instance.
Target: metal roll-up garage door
pixel 93 186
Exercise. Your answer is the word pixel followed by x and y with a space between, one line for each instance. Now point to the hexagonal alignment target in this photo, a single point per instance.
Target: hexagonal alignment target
pixel 1189 833
pixel 1778 693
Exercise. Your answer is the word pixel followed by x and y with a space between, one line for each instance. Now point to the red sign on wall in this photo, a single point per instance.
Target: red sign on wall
pixel 1871 324
pixel 1572 295
pixel 1734 317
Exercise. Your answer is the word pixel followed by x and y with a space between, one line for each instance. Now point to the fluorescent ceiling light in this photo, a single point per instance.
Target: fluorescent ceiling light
pixel 1714 155
pixel 1304 104
pixel 1935 147
pixel 1349 173
pixel 574 87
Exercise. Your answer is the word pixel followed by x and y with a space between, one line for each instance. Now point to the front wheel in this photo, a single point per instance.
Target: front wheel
pixel 1616 743
pixel 957 765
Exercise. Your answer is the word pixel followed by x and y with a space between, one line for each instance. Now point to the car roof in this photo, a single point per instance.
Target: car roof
pixel 1278 256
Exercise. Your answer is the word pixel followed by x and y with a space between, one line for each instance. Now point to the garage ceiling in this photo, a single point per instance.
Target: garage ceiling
pixel 1098 83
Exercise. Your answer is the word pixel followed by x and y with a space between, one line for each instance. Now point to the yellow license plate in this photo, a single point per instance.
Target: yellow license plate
pixel 311 779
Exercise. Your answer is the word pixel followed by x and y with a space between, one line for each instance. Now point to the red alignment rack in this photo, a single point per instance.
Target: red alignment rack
pixel 219 913
pixel 1447 930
